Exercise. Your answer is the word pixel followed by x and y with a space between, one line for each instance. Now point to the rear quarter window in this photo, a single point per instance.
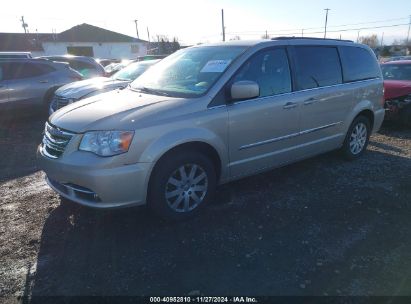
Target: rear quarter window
pixel 317 66
pixel 358 64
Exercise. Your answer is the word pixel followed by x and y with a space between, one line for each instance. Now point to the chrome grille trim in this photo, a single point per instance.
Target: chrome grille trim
pixel 55 141
pixel 59 102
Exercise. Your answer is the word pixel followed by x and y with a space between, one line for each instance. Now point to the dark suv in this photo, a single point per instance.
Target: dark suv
pixel 30 83
pixel 88 67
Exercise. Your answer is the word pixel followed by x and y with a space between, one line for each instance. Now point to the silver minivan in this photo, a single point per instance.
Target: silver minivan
pixel 210 114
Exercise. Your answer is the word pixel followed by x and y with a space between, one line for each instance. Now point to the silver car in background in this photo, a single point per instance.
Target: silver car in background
pixel 210 114
pixel 29 84
pixel 89 87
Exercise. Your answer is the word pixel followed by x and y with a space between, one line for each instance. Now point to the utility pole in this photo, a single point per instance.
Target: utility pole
pixel 136 28
pixel 358 37
pixel 266 34
pixel 326 21
pixel 409 26
pixel 382 39
pixel 222 23
pixel 302 32
pixel 24 24
pixel 148 34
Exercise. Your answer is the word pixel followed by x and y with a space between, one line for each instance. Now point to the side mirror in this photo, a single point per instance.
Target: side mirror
pixel 244 89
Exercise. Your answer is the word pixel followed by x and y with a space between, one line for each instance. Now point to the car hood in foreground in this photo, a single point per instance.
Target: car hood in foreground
pixel 396 88
pixel 81 89
pixel 115 110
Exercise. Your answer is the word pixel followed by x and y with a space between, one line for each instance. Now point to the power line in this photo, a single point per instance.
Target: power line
pixel 315 28
pixel 329 31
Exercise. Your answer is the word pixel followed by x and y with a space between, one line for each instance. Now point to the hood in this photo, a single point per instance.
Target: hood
pixel 115 110
pixel 396 88
pixel 80 89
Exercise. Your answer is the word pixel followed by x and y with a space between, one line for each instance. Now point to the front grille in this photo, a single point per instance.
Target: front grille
pixel 55 141
pixel 59 102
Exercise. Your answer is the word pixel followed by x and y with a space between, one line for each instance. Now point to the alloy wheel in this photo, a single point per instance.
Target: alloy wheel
pixel 358 138
pixel 186 188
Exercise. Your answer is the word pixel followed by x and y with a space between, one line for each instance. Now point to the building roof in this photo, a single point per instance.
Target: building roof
pixel 19 42
pixel 90 33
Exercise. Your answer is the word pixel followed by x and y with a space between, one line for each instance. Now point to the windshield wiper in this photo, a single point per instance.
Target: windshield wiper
pixel 152 91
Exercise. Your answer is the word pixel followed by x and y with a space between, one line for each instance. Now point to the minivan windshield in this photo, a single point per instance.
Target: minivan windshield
pixel 189 72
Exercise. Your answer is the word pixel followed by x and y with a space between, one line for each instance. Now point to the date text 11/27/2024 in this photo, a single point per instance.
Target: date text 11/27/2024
pixel 203 299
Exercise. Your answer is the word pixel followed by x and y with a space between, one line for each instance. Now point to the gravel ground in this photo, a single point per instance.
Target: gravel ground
pixel 323 226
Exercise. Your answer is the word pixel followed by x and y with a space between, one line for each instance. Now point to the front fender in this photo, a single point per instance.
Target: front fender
pixel 175 138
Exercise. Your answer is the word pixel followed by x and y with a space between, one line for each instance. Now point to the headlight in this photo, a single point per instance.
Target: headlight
pixel 106 143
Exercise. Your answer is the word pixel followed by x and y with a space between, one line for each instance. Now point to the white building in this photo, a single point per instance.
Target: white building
pixel 83 39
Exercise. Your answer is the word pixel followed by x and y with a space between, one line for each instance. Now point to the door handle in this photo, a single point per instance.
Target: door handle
pixel 290 105
pixel 43 81
pixel 310 101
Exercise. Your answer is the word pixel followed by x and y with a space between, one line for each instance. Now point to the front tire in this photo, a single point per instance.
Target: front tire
pixel 181 185
pixel 357 138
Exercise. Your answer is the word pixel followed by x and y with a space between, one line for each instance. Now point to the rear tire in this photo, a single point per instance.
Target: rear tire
pixel 181 184
pixel 356 140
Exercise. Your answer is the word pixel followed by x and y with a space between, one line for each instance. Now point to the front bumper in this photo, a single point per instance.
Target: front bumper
pixel 96 184
pixel 394 107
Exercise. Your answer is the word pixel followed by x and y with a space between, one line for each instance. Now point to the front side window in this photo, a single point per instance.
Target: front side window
pixel 189 72
pixel 317 66
pixel 358 64
pixel 270 70
pixel 396 71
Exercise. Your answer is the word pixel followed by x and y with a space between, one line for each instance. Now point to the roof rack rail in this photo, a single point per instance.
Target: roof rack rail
pixel 308 38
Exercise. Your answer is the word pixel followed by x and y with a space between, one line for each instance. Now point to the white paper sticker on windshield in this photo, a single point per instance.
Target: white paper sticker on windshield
pixel 215 66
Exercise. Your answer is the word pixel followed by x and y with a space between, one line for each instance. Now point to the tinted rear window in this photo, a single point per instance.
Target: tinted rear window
pixel 20 70
pixel 358 64
pixel 317 66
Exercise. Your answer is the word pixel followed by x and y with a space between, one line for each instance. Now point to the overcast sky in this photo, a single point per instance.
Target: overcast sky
pixel 194 21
